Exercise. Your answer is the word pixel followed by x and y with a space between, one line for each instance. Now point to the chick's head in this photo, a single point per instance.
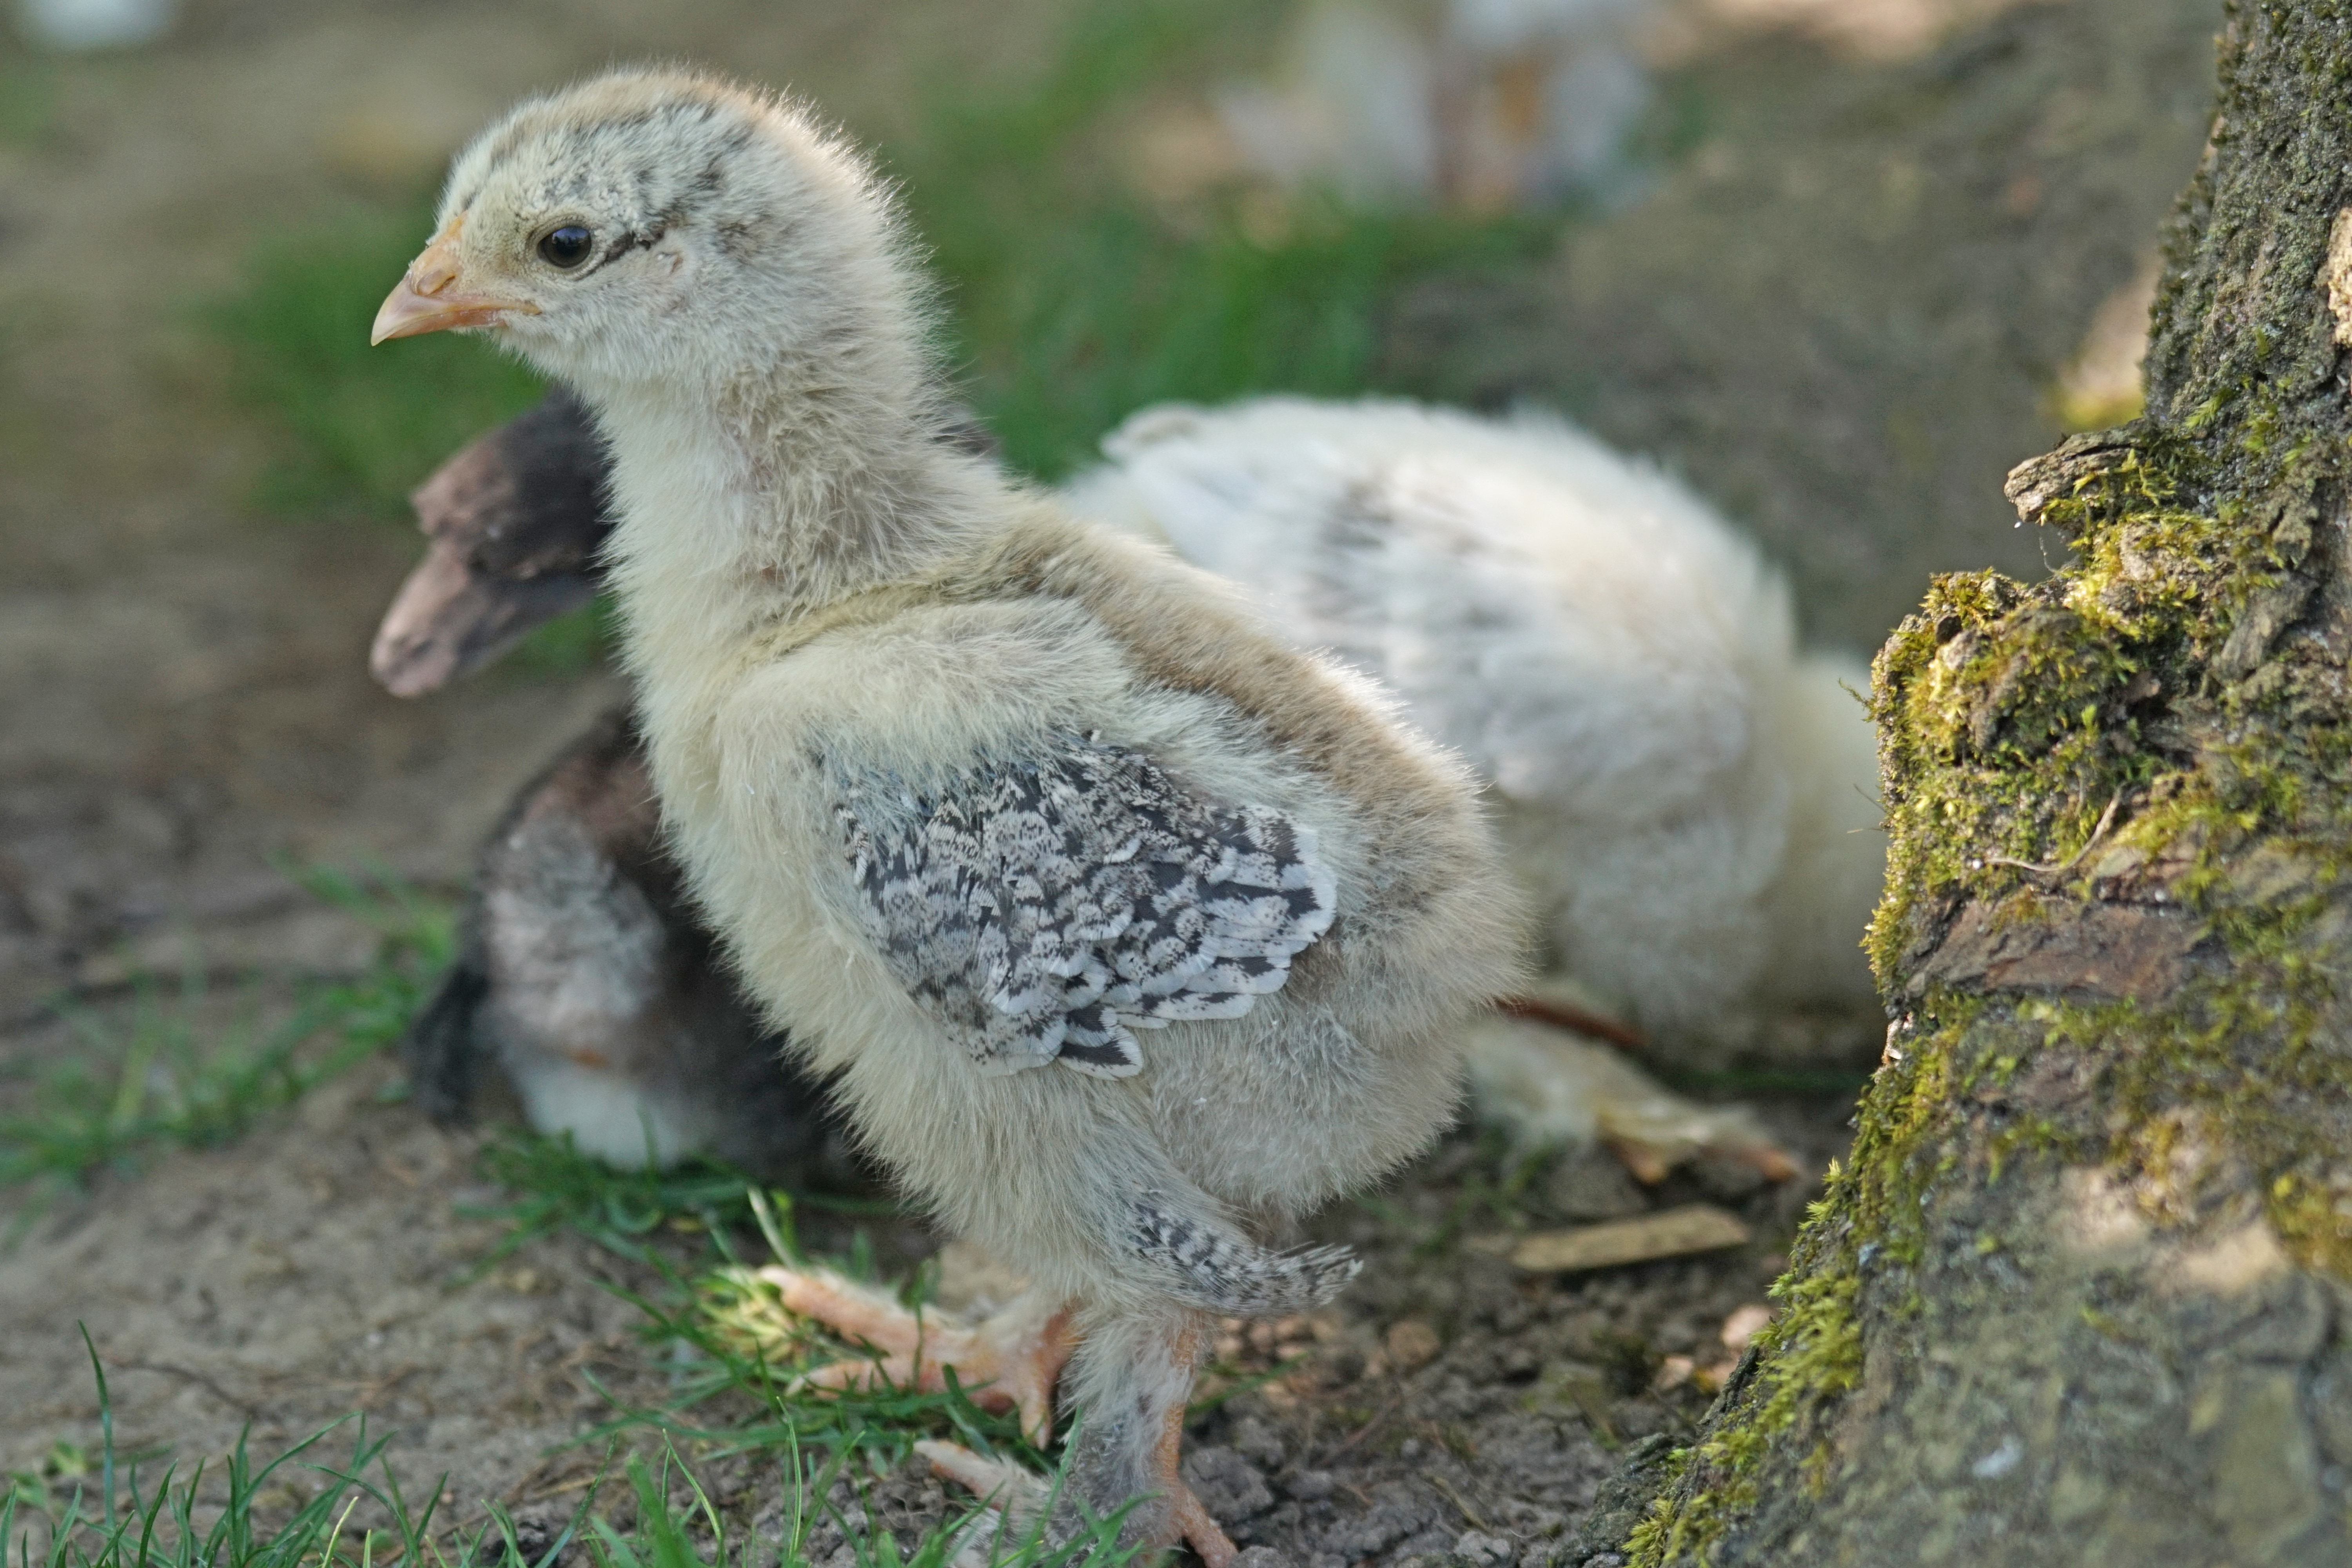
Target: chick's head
pixel 657 226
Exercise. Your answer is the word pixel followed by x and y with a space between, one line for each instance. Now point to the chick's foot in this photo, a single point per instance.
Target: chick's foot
pixel 1190 1519
pixel 1011 1360
pixel 1548 1085
pixel 1015 1497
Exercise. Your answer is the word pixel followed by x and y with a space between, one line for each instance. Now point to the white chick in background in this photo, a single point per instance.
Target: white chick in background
pixel 1480 104
pixel 1691 798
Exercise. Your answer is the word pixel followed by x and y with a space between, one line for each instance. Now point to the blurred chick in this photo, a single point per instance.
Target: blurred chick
pixel 582 972
pixel 978 795
pixel 1478 104
pixel 1689 797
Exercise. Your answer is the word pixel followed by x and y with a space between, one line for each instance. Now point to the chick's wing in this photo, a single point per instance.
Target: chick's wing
pixel 1043 907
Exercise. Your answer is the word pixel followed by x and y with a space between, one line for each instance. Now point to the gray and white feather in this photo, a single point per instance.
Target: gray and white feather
pixel 1228 1276
pixel 1044 908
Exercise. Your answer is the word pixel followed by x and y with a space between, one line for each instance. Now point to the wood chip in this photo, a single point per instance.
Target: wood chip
pixel 1673 1233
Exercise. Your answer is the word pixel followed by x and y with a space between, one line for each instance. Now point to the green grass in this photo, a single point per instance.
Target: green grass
pixel 92 1510
pixel 358 428
pixel 28 100
pixel 1070 303
pixel 157 1079
pixel 733 1351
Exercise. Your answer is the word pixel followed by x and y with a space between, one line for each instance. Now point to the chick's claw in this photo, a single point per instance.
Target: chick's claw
pixel 1187 1519
pixel 1009 1362
pixel 1550 1086
pixel 1014 1496
pixel 1653 1133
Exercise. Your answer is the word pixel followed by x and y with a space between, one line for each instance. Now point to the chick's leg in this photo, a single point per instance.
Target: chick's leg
pixel 1187 1519
pixel 1138 1378
pixel 1009 1362
pixel 1134 1380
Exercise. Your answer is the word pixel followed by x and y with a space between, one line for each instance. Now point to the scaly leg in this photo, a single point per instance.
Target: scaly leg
pixel 1190 1521
pixel 1009 1362
pixel 1128 1447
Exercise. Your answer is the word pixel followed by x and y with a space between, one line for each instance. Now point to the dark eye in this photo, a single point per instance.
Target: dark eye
pixel 567 247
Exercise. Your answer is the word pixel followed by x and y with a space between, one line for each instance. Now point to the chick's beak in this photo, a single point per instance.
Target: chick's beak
pixel 429 298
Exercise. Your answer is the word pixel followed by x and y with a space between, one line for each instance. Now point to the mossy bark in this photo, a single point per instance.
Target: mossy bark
pixel 2082 1292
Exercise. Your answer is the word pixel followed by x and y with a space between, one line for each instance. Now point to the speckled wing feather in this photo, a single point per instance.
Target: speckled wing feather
pixel 1045 907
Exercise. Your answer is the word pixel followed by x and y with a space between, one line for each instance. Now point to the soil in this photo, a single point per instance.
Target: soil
pixel 183 696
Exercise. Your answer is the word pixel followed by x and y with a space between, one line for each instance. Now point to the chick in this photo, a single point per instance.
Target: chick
pixel 977 795
pixel 582 971
pixel 1479 104
pixel 513 525
pixel 1689 797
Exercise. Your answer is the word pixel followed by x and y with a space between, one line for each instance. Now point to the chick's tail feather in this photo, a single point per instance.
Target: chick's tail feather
pixel 1222 1272
pixel 441 1042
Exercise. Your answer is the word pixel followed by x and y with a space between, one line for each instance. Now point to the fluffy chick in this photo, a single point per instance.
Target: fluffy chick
pixel 1689 797
pixel 978 796
pixel 582 972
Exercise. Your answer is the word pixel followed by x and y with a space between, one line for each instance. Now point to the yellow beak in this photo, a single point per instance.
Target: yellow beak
pixel 428 299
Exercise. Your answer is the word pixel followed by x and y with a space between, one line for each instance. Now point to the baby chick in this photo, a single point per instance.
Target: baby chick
pixel 583 974
pixel 979 796
pixel 1689 797
pixel 507 547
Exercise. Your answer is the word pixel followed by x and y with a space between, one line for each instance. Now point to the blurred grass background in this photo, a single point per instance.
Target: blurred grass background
pixel 1071 300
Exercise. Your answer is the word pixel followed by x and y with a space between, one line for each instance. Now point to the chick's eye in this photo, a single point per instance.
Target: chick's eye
pixel 567 247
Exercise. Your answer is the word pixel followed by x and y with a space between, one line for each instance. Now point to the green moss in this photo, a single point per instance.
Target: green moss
pixel 2010 718
pixel 1811 1353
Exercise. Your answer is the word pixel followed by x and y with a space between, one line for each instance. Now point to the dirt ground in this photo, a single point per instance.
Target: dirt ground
pixel 1843 314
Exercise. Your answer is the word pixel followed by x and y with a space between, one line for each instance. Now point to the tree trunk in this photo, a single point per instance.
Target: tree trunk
pixel 2080 1295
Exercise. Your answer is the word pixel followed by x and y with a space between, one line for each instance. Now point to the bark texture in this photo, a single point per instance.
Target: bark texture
pixel 2080 1294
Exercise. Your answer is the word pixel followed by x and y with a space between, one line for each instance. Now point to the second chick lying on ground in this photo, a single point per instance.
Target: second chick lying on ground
pixel 981 799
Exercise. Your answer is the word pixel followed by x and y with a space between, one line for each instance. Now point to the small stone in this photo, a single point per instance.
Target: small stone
pixel 1309 1486
pixel 1744 1325
pixel 1592 1185
pixel 1256 1439
pixel 1728 1178
pixel 1412 1344
pixel 1484 1550
pixel 1228 1486
pixel 1262 1557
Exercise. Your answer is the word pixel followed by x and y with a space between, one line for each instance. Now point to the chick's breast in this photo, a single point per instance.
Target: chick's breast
pixel 1283 988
